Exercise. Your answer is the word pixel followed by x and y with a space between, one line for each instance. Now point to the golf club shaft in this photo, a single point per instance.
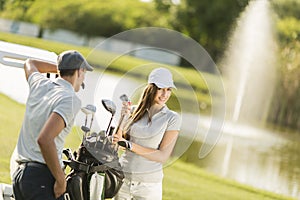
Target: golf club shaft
pixel 85 123
pixel 91 121
pixel 106 132
pixel 124 98
pixel 120 122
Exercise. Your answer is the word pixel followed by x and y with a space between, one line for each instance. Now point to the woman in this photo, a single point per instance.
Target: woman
pixel 153 130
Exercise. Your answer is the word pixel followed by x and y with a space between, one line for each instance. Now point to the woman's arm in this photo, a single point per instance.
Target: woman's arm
pixel 165 149
pixel 158 155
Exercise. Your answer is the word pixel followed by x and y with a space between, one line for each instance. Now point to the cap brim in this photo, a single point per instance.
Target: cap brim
pixel 165 86
pixel 89 67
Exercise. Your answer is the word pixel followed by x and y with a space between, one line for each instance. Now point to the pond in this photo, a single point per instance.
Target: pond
pixel 260 158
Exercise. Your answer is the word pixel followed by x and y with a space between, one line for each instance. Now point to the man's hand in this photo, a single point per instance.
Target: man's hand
pixel 60 187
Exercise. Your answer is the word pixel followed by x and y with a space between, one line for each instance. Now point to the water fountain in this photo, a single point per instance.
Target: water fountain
pixel 250 71
pixel 246 151
pixel 250 65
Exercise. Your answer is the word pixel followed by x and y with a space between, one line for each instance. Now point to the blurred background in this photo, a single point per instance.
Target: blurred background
pixel 254 44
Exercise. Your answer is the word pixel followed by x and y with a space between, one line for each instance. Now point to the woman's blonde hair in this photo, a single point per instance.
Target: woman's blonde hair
pixel 144 104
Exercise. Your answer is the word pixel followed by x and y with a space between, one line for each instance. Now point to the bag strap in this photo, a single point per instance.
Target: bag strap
pixel 80 166
pixel 98 168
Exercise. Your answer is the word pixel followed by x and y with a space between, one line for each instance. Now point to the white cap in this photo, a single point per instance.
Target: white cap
pixel 162 78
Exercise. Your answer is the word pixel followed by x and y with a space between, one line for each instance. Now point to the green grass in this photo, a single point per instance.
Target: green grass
pixel 186 181
pixel 10 120
pixel 192 86
pixel 181 180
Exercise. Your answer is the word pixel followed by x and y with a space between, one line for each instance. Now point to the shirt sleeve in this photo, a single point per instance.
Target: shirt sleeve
pixel 35 79
pixel 68 109
pixel 174 123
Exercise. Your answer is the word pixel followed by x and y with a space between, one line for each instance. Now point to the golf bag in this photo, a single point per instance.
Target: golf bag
pixel 95 158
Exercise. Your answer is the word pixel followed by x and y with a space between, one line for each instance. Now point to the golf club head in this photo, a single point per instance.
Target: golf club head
pixel 101 133
pixel 109 105
pixel 94 134
pixel 124 97
pixel 85 129
pixel 89 109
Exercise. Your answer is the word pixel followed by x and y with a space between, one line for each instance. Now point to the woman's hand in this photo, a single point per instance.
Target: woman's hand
pixel 117 138
pixel 125 114
pixel 126 108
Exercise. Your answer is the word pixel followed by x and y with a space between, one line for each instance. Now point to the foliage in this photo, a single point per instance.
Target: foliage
pixel 16 9
pixel 208 22
pixel 288 30
pixel 89 17
pixel 286 8
pixel 286 104
pixel 78 16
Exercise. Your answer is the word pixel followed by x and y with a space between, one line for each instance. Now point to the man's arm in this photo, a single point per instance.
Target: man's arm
pixel 34 65
pixel 50 130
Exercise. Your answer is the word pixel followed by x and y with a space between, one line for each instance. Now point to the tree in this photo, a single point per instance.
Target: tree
pixel 94 17
pixel 208 22
pixel 286 104
pixel 15 9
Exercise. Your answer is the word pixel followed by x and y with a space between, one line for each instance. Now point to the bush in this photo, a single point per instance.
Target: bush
pixel 288 29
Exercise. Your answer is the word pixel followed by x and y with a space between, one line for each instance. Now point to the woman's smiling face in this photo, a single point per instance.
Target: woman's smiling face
pixel 162 95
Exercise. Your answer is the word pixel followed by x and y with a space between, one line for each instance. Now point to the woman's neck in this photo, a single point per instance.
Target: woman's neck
pixel 155 108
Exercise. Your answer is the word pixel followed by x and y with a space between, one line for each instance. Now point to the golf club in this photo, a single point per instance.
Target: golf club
pixel 110 107
pixel 93 109
pixel 87 110
pixel 124 98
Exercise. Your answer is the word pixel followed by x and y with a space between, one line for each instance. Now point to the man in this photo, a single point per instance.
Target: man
pixel 50 112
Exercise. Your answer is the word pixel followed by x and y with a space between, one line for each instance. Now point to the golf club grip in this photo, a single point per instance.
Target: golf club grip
pixel 124 98
pixel 118 127
pixel 111 130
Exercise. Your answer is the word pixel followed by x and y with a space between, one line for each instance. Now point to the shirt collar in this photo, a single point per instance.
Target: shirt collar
pixel 64 83
pixel 164 109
